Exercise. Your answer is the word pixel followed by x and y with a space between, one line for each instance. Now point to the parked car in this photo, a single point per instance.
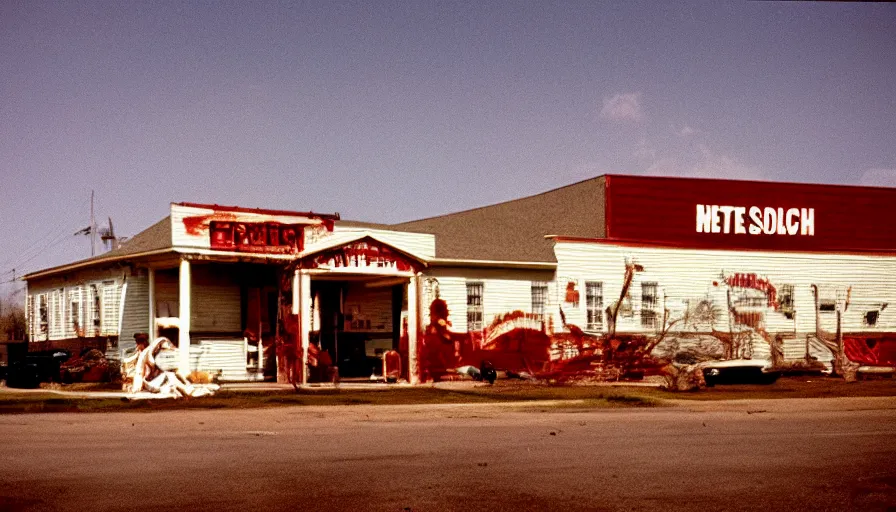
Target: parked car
pixel 738 371
pixel 35 367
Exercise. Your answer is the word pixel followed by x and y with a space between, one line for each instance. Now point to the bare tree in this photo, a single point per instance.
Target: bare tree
pixel 12 321
pixel 613 309
pixel 840 365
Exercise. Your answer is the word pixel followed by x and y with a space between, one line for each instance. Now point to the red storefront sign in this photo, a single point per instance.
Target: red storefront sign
pixel 724 214
pixel 266 237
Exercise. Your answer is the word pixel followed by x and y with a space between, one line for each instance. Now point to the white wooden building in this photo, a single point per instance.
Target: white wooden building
pixel 762 260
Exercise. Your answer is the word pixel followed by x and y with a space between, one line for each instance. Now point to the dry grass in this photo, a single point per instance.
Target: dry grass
pixel 597 396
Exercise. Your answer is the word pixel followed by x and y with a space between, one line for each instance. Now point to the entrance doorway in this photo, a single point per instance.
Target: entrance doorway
pixel 356 321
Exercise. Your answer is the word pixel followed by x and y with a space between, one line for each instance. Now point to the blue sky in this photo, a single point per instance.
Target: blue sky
pixel 391 111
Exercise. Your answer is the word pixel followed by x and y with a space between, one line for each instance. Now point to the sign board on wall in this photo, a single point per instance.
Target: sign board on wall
pixel 237 229
pixel 724 214
pixel 365 254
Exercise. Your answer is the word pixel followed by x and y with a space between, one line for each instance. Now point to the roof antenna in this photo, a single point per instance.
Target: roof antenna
pixel 107 235
pixel 91 229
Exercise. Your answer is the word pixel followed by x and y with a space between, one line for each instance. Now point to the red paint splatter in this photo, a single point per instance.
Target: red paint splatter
pixel 362 254
pixel 522 345
pixel 871 351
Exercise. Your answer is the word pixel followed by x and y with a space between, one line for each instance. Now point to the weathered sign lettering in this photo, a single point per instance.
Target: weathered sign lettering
pixel 741 220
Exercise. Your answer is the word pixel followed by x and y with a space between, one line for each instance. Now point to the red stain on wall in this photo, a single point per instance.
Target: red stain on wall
pixel 523 349
pixel 755 282
pixel 362 254
pixel 871 351
pixel 196 225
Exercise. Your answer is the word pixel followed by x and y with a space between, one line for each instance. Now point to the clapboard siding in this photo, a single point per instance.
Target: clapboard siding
pixel 215 299
pixel 110 307
pixel 417 244
pixel 372 304
pixel 503 291
pixel 167 294
pixel 83 286
pixel 224 356
pixel 135 312
pixel 689 275
pixel 199 237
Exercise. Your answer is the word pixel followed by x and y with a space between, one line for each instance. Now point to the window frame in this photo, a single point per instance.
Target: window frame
pixel 475 310
pixel 786 299
pixel 539 299
pixel 594 306
pixel 75 301
pixel 43 313
pixel 649 304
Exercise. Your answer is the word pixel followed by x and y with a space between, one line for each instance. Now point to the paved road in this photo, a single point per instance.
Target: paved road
pixel 835 454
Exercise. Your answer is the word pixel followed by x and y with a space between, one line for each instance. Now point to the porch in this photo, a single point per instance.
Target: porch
pixel 244 320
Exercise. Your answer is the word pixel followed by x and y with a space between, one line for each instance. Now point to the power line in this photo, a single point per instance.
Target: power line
pixel 47 236
pixel 28 257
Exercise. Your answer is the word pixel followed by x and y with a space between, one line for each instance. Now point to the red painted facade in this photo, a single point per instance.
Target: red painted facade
pixel 791 216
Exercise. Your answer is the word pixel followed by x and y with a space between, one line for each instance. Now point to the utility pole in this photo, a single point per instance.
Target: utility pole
pixel 92 228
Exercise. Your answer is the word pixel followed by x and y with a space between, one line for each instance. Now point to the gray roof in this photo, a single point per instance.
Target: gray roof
pixel 510 231
pixel 154 238
pixel 515 230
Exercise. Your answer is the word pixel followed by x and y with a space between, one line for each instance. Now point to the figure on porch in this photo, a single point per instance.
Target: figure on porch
pixel 149 377
pixel 321 368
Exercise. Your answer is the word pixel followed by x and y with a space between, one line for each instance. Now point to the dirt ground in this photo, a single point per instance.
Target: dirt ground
pixel 692 455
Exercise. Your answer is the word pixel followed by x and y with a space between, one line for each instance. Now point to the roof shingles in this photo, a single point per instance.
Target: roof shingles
pixel 515 230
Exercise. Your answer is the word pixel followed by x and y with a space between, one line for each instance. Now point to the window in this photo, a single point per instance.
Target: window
pixel 110 303
pixel 474 306
pixel 29 315
pixel 75 311
pixel 871 317
pixel 594 304
pixel 43 313
pixel 648 304
pixel 785 300
pixel 95 314
pixel 827 305
pixel 539 297
pixel 59 313
pixel 625 309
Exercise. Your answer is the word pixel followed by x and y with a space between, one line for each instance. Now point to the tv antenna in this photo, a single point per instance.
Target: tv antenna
pixel 107 235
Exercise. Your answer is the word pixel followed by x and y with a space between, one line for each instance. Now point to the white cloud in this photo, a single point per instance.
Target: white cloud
pixel 705 163
pixel 879 178
pixel 623 107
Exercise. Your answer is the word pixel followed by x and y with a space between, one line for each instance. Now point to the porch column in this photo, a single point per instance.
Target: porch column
pixel 151 278
pixel 304 319
pixel 413 327
pixel 183 331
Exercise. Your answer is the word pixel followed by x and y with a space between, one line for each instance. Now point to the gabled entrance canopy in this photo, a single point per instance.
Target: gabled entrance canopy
pixel 349 256
pixel 358 253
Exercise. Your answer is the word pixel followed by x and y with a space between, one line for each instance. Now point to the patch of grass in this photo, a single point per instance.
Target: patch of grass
pixel 582 396
pixel 11 402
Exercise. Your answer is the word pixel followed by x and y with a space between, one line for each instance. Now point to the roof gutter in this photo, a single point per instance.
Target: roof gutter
pixel 451 262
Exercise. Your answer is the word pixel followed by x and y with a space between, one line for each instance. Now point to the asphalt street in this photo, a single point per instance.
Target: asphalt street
pixel 828 454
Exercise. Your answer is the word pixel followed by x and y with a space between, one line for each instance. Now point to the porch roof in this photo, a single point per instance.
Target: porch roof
pixel 153 240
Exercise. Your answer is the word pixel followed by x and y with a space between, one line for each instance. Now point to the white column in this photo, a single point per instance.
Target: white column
pixel 296 283
pixel 304 304
pixel 413 326
pixel 183 337
pixel 151 278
